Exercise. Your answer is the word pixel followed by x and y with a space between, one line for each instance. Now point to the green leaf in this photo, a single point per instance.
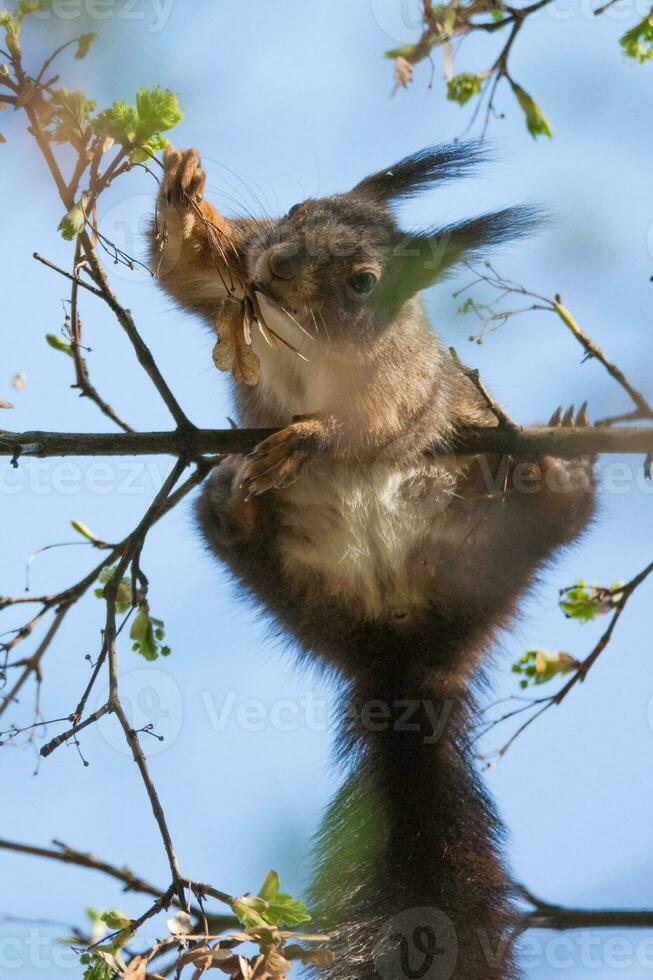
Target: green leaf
pixel 116 919
pixel 543 666
pixel 141 126
pixel 248 914
pixel 270 907
pixel 270 887
pixel 536 121
pixel 96 968
pixel 461 88
pixel 158 110
pixel 73 223
pixel 584 603
pixel 147 635
pixel 449 21
pixel 120 122
pixel 82 529
pixel 284 910
pixel 30 7
pixel 405 51
pixel 145 152
pixel 59 344
pixel 84 42
pixel 70 116
pixel 124 593
pixel 638 41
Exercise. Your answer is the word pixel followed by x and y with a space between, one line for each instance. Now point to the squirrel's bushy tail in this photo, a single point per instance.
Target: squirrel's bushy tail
pixel 410 882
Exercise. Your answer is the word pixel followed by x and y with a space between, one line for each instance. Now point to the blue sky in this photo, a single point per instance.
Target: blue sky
pixel 286 100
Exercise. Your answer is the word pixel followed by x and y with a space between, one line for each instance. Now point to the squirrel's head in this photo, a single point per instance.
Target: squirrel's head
pixel 343 267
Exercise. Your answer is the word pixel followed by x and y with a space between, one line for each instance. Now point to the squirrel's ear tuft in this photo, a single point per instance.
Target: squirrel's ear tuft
pixel 420 170
pixel 421 259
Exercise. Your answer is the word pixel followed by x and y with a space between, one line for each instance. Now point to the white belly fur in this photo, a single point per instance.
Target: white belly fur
pixel 361 528
pixel 356 525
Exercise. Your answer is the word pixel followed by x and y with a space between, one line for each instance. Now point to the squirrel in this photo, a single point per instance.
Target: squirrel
pixel 384 559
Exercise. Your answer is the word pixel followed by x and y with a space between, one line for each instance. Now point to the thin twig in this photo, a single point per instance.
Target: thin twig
pixel 126 321
pixel 86 387
pixel 473 374
pixel 68 275
pixel 131 881
pixel 114 704
pixel 72 732
pixel 542 705
pixel 592 349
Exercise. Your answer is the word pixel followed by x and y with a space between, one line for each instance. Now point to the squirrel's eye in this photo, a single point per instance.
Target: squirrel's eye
pixel 293 210
pixel 363 283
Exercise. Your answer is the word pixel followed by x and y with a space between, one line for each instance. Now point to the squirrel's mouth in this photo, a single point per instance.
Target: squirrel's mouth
pixel 268 289
pixel 284 321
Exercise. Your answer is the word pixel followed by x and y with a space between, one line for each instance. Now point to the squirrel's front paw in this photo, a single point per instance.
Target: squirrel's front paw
pixel 184 179
pixel 276 462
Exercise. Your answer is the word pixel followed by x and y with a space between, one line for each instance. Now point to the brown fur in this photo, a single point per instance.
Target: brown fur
pixel 392 567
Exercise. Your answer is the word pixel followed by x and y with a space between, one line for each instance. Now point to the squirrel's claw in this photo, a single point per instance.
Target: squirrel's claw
pixel 571 418
pixel 274 464
pixel 568 417
pixel 583 419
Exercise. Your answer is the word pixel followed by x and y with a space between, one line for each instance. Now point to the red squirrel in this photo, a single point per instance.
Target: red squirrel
pixel 386 560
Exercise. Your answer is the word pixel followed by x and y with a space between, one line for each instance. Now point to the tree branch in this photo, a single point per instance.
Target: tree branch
pixel 547 915
pixel 131 881
pixel 533 440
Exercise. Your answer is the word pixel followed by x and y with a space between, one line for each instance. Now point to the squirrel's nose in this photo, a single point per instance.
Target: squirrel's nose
pixel 284 261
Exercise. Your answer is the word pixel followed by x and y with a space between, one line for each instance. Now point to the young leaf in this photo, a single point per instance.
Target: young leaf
pixel 405 51
pixel 540 666
pixel 120 122
pixel 638 41
pixel 124 594
pixel 84 42
pixel 59 344
pixel 284 910
pixel 584 603
pixel 536 122
pixel 72 224
pixel 270 887
pixel 147 634
pixel 158 110
pixel 270 907
pixel 83 530
pixel 141 126
pixel 461 88
pixel 247 912
pixel 96 967
pixel 30 7
pixel 71 113
pixel 115 919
